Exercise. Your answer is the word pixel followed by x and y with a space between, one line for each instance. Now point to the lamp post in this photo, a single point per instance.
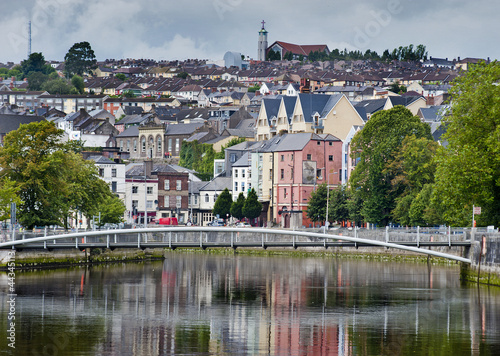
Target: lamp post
pixel 327 223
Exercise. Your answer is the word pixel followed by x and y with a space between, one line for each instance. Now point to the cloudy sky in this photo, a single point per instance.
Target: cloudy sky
pixel 206 29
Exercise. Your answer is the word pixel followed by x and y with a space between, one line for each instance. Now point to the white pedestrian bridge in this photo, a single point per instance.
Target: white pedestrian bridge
pixel 225 237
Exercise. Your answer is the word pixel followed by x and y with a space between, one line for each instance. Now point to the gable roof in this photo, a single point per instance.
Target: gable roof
pixel 299 49
pixel 10 122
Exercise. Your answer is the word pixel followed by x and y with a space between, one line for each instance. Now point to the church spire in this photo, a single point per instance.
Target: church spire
pixel 262 44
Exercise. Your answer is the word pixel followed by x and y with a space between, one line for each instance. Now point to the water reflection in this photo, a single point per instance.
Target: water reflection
pixel 203 304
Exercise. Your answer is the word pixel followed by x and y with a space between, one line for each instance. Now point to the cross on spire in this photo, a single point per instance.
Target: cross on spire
pixel 263 22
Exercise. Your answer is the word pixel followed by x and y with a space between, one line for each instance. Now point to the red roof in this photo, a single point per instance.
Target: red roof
pixel 300 49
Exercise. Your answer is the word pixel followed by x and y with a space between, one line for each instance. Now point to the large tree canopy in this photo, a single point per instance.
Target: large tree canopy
pixel 375 147
pixel 468 170
pixel 53 181
pixel 79 59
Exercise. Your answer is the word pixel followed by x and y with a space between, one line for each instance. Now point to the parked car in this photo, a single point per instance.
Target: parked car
pixel 168 221
pixel 243 224
pixel 217 222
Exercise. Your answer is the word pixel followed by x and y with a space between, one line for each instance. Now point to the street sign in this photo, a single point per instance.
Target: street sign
pixel 477 210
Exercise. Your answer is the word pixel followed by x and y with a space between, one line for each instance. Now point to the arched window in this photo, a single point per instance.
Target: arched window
pixel 206 198
pixel 158 145
pixel 143 141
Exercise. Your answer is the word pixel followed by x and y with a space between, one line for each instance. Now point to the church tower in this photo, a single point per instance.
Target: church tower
pixel 262 43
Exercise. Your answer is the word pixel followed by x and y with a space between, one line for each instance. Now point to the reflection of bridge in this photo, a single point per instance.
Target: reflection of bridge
pixel 222 237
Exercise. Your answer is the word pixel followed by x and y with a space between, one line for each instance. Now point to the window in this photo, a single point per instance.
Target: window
pixel 282 173
pixel 178 185
pixel 270 174
pixel 291 157
pixel 113 187
pixel 158 144
pixel 170 145
pixel 284 192
pixel 101 172
pixel 135 204
pixel 235 186
pixel 330 157
pixel 206 198
pixel 113 172
pixel 318 143
pixel 235 173
pixel 176 145
pixel 128 145
pixel 249 186
pixel 232 157
pixel 318 174
pixel 291 173
pixel 166 201
pixel 308 156
pixel 166 184
pixel 243 173
pixel 282 158
pixel 143 141
pixel 330 143
pixel 149 190
pixel 178 201
pixel 135 145
pixel 121 145
pixel 242 186
pixel 195 199
pixel 134 189
pixel 149 204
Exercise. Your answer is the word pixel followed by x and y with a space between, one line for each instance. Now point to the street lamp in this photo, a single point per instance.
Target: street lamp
pixel 327 222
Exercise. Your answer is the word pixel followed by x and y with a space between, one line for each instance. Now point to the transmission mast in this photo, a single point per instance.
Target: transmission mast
pixel 29 38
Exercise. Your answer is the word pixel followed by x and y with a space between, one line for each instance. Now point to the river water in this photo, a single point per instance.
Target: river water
pixel 202 304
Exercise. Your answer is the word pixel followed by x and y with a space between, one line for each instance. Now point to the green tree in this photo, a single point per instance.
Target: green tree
pixel 36 80
pixel 121 76
pixel 111 209
pixel 468 171
pixel 128 94
pixel 53 180
pixel 8 194
pixel 376 145
pixel 183 75
pixel 77 82
pixel 222 206
pixel 413 167
pixel 35 63
pixel 252 207
pixel 79 59
pixel 273 56
pixel 338 209
pixel 237 207
pixel 57 86
pixel 316 207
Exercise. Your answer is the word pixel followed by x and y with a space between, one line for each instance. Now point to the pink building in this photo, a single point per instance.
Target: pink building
pixel 302 162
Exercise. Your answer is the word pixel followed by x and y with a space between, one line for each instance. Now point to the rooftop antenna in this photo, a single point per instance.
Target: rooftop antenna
pixel 29 38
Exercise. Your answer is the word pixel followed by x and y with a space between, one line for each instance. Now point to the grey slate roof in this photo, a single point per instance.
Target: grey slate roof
pixel 371 106
pixel 244 161
pixel 182 129
pixel 10 123
pixel 433 113
pixel 271 107
pixel 218 184
pixel 101 160
pixel 311 104
pixel 132 131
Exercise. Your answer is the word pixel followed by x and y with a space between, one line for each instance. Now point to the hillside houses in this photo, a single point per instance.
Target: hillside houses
pixel 297 120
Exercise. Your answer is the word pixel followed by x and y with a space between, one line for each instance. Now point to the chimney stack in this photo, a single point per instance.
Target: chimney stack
pixel 148 167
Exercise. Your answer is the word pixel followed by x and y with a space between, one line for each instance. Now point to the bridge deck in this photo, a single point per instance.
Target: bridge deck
pixel 224 237
pixel 254 244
